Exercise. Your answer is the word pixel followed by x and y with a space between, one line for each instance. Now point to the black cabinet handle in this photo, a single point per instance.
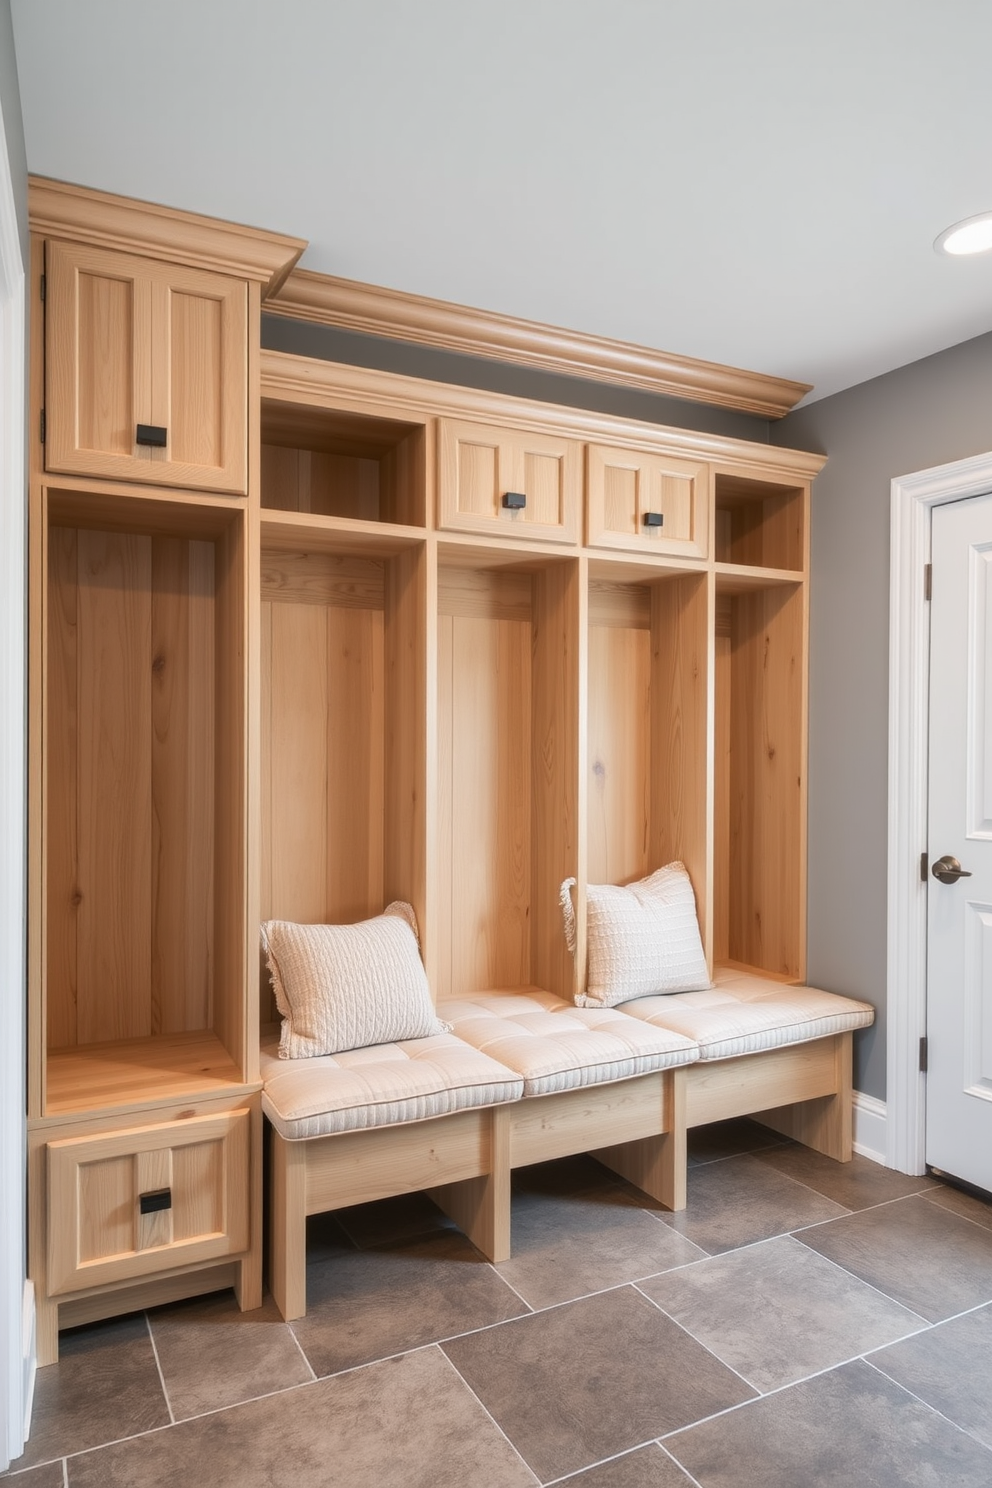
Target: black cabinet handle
pixel 155 435
pixel 514 500
pixel 158 1198
pixel 654 519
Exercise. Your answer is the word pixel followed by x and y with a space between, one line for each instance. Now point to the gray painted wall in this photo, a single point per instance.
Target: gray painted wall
pixel 929 413
pixel 10 105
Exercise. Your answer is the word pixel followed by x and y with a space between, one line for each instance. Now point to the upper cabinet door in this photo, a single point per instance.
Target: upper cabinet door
pixel 508 482
pixel 146 370
pixel 648 503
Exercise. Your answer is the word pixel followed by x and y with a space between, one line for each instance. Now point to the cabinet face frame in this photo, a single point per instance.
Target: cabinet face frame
pixel 167 348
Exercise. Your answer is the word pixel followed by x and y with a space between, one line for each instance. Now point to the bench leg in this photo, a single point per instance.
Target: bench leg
pixel 248 1286
pixel 657 1165
pixel 826 1123
pixel 480 1206
pixel 288 1250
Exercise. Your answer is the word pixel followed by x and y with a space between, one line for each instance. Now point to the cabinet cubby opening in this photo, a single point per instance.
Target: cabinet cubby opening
pixel 507 751
pixel 336 464
pixel 759 524
pixel 144 830
pixel 647 754
pixel 343 713
pixel 759 780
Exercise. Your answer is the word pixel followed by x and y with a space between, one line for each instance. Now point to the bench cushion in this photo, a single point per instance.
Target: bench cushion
pixel 556 1046
pixel 384 1085
pixel 743 1013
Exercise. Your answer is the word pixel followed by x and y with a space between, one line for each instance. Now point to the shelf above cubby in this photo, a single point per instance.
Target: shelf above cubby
pixel 732 578
pixel 288 531
pixel 341 464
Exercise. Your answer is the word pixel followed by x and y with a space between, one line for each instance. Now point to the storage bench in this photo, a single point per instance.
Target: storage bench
pixel 767 1048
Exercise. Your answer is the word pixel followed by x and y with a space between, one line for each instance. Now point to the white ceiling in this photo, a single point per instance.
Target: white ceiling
pixel 756 182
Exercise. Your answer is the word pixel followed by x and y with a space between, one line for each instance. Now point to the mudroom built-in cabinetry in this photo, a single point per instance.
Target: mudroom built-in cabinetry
pixel 307 638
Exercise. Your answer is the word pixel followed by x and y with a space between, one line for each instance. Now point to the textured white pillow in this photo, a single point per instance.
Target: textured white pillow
pixel 642 939
pixel 348 986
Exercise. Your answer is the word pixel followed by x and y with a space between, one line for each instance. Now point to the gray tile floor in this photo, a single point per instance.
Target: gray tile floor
pixel 802 1323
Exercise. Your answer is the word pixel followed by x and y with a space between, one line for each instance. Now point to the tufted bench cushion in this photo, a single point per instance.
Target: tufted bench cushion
pixel 556 1046
pixel 744 1013
pixel 384 1085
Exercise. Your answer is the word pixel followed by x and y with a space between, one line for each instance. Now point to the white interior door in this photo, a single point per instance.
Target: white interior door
pixel 959 939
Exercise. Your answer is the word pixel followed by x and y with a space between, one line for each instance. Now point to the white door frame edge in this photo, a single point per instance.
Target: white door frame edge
pixel 913 498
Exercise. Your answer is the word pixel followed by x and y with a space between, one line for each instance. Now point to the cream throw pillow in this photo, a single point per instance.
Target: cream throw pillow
pixel 642 939
pixel 347 986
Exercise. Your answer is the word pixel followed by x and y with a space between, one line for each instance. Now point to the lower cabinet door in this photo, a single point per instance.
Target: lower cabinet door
pixel 125 1204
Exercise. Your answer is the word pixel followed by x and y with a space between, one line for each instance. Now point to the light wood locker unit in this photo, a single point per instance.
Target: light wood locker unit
pixel 338 464
pixel 505 482
pixel 760 775
pixel 144 798
pixel 649 503
pixel 343 726
pixel 146 370
pixel 647 778
pixel 508 690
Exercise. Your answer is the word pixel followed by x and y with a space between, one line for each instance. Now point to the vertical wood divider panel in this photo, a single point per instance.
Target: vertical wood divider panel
pixel 430 935
pixel 554 767
pixel 62 787
pixel 230 935
pixel 255 1001
pixel 579 957
pixel 406 786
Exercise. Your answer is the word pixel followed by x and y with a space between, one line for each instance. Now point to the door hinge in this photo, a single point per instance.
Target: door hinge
pixel 924 866
pixel 923 1055
pixel 42 426
pixel 927 579
pixel 44 288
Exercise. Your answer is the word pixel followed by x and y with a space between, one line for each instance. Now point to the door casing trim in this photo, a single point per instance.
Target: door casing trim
pixel 913 499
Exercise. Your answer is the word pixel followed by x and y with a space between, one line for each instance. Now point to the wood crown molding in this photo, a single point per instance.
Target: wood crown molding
pixel 59 209
pixel 390 313
pixel 299 379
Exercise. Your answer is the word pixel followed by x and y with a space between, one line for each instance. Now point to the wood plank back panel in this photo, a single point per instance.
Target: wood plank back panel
pixel 115 787
pixel 400 747
pixel 619 764
pixel 767 824
pixel 681 800
pixel 231 725
pixel 131 810
pixel 484 728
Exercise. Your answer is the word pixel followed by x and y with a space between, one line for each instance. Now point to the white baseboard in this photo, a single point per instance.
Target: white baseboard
pixel 869 1127
pixel 29 1353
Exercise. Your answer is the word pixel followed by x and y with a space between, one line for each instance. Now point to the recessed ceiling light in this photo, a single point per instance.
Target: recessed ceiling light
pixel 973 235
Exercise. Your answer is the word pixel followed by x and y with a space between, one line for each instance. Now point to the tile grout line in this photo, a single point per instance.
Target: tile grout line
pixel 681 1465
pixel 933 1408
pixel 158 1366
pixel 483 1407
pixel 313 1373
pixel 65 1472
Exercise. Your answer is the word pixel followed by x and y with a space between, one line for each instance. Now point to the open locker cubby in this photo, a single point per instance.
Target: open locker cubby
pixel 337 464
pixel 647 707
pixel 507 753
pixel 760 777
pixel 143 799
pixel 760 523
pixel 343 727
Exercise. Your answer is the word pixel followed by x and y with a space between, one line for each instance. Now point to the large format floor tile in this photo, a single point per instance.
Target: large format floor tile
pixel 47 1476
pixel 923 1255
pixel 648 1467
pixel 212 1355
pixel 740 1200
pixel 404 1423
pixel 579 1383
pixel 965 1204
pixel 106 1385
pixel 565 1247
pixel 849 1427
pixel 777 1311
pixel 950 1367
pixel 857 1184
pixel 368 1304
